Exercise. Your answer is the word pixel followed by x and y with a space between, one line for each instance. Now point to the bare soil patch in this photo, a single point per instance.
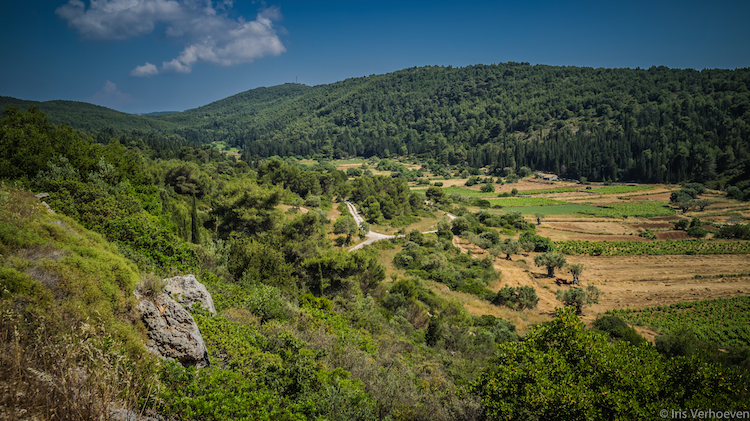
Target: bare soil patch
pixel 664 218
pixel 653 226
pixel 643 281
pixel 660 196
pixel 665 268
pixel 287 208
pixel 672 235
pixel 594 227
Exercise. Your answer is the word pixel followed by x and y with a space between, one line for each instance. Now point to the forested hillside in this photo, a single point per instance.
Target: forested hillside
pixel 647 125
pixel 656 125
pixel 89 117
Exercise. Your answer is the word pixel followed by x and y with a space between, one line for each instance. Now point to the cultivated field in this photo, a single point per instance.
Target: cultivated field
pixel 603 214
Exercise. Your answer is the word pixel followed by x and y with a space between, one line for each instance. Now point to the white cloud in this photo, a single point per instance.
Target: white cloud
pixel 175 66
pixel 109 96
pixel 147 69
pixel 119 19
pixel 206 28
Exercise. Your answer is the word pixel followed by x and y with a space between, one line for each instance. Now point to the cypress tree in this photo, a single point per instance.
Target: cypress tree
pixel 196 235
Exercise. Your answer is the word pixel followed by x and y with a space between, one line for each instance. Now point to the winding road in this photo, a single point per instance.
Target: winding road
pixel 373 236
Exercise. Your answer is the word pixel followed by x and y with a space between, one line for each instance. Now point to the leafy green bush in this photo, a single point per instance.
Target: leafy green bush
pixel 517 298
pixel 734 231
pixel 474 287
pixel 266 302
pixel 526 378
pixel 647 233
pixel 541 244
pixel 697 232
pixel 616 328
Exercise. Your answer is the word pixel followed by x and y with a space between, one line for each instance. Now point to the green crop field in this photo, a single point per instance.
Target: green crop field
pixel 630 248
pixel 601 190
pixel 724 321
pixel 635 210
pixel 620 189
pixel 348 161
pixel 467 192
pixel 550 191
pixel 525 201
pixel 552 209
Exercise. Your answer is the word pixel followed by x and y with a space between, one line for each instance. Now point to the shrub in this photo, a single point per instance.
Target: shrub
pixel 681 224
pixel 541 244
pixel 696 232
pixel 735 231
pixel 647 233
pixel 517 298
pixel 152 284
pixel 266 302
pixel 616 328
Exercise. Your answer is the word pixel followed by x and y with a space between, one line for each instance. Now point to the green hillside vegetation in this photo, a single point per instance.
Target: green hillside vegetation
pixel 648 125
pixel 89 117
pixel 305 329
pixel 562 371
pixel 68 342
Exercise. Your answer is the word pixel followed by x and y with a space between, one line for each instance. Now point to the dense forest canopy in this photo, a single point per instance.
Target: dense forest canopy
pixel 647 125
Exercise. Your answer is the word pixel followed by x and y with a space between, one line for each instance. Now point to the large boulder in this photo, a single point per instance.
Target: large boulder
pixel 172 331
pixel 187 290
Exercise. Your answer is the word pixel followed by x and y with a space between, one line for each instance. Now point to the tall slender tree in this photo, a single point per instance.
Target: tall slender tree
pixel 194 227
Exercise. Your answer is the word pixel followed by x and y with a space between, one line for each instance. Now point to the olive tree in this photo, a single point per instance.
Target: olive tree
pixel 510 246
pixel 576 270
pixel 578 297
pixel 551 261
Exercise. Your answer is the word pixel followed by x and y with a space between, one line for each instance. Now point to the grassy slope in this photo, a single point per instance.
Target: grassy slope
pixel 69 342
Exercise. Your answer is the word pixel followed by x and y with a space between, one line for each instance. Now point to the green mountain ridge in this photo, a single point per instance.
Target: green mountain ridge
pixel 647 125
pixel 88 117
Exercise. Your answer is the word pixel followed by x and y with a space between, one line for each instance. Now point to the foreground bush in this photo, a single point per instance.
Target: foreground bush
pixel 561 371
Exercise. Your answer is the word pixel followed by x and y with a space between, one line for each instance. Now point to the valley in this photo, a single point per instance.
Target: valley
pixel 487 199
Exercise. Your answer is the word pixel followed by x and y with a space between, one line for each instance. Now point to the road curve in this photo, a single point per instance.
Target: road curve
pixel 373 236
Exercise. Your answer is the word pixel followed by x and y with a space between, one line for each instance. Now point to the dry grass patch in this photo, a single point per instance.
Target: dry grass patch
pixel 385 257
pixel 475 306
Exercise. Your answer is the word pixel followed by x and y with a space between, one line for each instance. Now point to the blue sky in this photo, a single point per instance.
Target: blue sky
pixel 141 56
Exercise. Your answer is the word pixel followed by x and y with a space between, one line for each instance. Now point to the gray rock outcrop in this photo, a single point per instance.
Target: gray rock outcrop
pixel 172 331
pixel 187 290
